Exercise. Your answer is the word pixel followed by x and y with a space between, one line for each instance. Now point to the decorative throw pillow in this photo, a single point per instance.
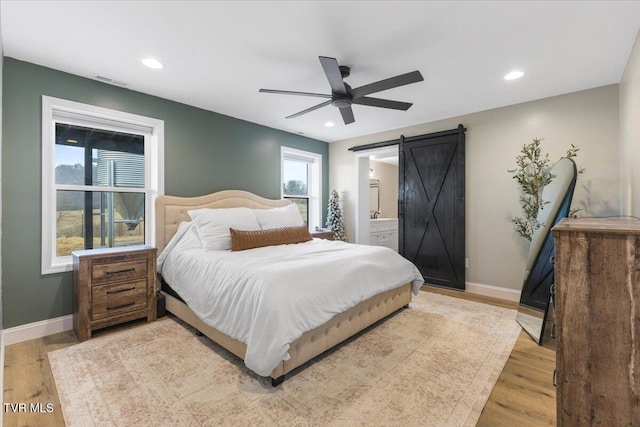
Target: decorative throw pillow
pixel 242 240
pixel 287 216
pixel 214 224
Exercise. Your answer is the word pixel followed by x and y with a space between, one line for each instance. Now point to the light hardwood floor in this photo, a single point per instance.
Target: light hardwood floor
pixel 523 396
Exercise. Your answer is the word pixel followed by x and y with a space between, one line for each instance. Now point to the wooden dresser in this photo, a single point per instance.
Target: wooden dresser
pixel 597 282
pixel 112 286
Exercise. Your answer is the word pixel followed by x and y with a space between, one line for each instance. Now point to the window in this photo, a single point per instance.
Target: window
pixel 101 172
pixel 301 178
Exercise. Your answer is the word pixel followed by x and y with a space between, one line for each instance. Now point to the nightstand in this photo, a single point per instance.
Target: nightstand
pixel 112 286
pixel 327 235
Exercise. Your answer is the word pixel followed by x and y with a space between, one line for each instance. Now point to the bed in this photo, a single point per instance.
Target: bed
pixel 172 213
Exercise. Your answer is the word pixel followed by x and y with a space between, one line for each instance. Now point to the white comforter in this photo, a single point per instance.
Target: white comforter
pixel 268 297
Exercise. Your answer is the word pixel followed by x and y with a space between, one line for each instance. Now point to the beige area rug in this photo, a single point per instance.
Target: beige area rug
pixel 433 364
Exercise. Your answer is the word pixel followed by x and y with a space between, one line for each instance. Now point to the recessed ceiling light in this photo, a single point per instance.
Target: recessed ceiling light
pixel 329 124
pixel 514 75
pixel 152 63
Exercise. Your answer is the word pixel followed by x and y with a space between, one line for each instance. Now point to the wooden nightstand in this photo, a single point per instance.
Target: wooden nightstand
pixel 327 235
pixel 112 286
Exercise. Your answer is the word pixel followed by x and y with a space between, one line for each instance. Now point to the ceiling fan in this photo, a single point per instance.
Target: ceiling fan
pixel 343 96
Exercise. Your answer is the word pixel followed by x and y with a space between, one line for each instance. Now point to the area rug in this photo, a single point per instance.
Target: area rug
pixel 433 364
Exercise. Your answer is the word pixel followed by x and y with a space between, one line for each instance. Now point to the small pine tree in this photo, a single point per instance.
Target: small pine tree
pixel 335 219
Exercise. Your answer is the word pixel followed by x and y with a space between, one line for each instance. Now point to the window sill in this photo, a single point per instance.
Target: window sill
pixel 57 268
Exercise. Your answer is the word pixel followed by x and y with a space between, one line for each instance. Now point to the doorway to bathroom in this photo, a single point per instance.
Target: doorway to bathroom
pixel 377 201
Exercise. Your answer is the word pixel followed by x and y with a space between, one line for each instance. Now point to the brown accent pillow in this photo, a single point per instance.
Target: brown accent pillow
pixel 241 240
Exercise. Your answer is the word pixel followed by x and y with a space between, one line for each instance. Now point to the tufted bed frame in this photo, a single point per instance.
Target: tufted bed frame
pixel 170 211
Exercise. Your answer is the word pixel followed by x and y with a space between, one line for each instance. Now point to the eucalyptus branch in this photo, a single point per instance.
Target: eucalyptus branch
pixel 532 174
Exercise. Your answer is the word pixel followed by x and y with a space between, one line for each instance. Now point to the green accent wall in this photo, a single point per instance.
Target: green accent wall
pixel 204 152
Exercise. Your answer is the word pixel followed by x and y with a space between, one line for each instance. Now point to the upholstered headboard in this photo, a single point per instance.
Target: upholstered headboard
pixel 171 210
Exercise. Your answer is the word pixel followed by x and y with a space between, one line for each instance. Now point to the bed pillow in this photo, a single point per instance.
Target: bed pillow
pixel 214 224
pixel 287 216
pixel 242 240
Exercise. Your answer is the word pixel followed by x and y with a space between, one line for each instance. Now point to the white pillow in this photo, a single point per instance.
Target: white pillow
pixel 287 216
pixel 213 225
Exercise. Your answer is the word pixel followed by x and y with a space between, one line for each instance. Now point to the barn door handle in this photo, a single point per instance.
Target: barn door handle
pixel 400 213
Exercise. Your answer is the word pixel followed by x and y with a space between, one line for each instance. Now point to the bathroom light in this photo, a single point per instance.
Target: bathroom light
pixel 72 141
pixel 514 75
pixel 329 124
pixel 152 63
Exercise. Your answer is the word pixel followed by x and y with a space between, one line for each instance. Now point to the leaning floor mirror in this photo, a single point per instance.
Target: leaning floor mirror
pixel 535 313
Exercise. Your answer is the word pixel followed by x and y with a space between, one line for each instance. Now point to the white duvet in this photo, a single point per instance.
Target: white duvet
pixel 268 297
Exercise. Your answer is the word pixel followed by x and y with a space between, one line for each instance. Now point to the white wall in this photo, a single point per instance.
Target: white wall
pixel 1 327
pixel 588 119
pixel 630 133
pixel 388 176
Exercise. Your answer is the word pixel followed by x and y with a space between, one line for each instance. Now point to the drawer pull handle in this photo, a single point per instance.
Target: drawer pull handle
pixel 121 306
pixel 128 270
pixel 121 290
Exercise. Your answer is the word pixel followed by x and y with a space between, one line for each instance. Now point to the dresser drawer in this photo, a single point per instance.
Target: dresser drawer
pixel 110 272
pixel 110 300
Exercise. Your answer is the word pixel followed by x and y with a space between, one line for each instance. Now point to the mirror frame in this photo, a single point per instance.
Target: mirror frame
pixel 536 299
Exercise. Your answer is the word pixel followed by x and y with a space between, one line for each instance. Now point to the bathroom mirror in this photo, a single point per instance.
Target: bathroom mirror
pixel 535 313
pixel 374 197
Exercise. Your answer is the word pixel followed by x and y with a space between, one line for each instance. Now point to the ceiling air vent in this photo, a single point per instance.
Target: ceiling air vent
pixel 104 79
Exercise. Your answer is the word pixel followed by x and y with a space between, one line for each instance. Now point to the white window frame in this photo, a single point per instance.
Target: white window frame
pixel 75 113
pixel 314 181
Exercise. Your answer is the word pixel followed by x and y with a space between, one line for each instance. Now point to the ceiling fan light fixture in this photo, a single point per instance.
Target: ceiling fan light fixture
pixel 341 102
pixel 152 63
pixel 329 124
pixel 514 75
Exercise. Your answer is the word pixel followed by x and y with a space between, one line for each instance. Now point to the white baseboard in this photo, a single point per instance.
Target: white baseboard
pixel 35 330
pixel 493 291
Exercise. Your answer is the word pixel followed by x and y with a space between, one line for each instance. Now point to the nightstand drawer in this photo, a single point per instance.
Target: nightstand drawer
pixel 101 273
pixel 110 300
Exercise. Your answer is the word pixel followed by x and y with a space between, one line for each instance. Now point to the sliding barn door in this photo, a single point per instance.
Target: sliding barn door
pixel 431 206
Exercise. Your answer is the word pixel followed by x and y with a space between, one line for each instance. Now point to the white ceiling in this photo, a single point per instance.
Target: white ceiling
pixel 218 54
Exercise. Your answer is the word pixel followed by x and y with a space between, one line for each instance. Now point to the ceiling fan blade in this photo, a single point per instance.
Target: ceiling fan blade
pixel 308 110
pixel 382 103
pixel 332 71
pixel 288 92
pixel 390 83
pixel 347 115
